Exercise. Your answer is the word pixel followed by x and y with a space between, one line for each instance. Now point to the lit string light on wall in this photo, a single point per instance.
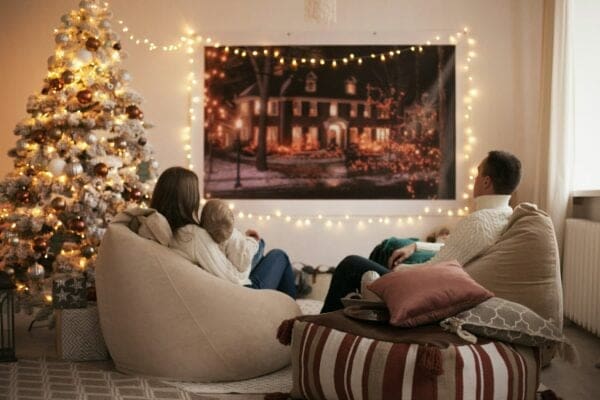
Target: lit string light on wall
pixel 191 42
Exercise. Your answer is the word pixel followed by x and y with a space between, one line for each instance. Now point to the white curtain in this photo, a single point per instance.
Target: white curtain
pixel 555 155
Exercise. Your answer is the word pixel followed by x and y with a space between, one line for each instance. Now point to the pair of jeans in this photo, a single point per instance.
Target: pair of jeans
pixel 346 279
pixel 259 254
pixel 274 271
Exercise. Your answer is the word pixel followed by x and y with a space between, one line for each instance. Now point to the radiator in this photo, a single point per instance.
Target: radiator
pixel 581 273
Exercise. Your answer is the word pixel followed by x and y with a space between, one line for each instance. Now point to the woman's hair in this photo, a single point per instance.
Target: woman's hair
pixel 217 219
pixel 177 197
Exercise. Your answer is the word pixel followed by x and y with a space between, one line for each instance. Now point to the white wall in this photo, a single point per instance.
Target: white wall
pixel 586 64
pixel 508 34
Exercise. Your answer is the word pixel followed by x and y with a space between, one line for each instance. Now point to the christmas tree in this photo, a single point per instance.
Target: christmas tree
pixel 80 158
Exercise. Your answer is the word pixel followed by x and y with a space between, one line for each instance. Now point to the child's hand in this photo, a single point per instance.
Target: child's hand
pixel 401 254
pixel 252 233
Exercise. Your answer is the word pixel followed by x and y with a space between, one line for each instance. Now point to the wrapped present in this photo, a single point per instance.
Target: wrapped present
pixel 69 291
pixel 78 334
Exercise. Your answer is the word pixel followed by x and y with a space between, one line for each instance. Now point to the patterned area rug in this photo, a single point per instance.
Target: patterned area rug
pixel 45 379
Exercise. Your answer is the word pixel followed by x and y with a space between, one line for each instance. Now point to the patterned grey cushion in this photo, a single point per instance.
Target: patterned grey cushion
pixel 504 320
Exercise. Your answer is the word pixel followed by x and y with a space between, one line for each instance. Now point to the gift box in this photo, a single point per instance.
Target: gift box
pixel 69 292
pixel 78 334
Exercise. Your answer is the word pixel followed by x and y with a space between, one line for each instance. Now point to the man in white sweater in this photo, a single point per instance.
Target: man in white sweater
pixel 498 176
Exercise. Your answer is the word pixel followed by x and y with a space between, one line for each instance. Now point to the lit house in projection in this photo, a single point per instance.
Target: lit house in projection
pixel 314 110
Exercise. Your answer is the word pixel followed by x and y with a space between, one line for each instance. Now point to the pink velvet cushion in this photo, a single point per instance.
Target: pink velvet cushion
pixel 424 294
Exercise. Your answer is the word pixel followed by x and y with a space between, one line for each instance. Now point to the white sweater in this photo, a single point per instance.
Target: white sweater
pixel 476 232
pixel 195 244
pixel 240 249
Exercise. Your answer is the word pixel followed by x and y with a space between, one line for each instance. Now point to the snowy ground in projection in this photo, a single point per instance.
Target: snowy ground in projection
pixel 272 184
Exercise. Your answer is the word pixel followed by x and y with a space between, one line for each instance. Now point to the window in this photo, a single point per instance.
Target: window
pixel 333 109
pixel 272 137
pixel 383 112
pixel 312 111
pixel 351 86
pixel 273 108
pixel 382 134
pixel 297 137
pixel 297 108
pixel 244 108
pixel 586 85
pixel 311 82
pixel 367 113
pixel 312 139
pixel 354 135
pixel 256 107
pixel 353 110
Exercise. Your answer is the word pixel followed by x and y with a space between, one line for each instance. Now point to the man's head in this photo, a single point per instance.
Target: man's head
pixel 498 173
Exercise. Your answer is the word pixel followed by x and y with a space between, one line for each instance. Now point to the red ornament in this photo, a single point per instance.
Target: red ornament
pixel 134 112
pixel 39 136
pixel 56 84
pixel 101 169
pixel 78 225
pixel 58 203
pixel 84 96
pixel 23 195
pixel 40 245
pixel 136 194
pixel 68 77
pixel 92 44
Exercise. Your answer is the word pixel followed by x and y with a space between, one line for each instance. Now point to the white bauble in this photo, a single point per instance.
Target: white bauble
pixel 91 139
pixel 62 38
pixel 74 168
pixel 56 166
pixel 84 57
pixel 66 19
pixel 36 271
pixel 105 24
pixel 125 76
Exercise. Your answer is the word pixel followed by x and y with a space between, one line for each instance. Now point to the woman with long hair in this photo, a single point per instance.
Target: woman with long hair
pixel 177 197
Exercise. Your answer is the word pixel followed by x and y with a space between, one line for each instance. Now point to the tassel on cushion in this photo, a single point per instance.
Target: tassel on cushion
pixel 284 332
pixel 430 360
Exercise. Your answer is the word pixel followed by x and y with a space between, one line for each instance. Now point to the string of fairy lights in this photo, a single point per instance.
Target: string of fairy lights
pixel 191 42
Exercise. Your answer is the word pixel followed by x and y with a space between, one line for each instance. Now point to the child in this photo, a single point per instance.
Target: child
pixel 244 251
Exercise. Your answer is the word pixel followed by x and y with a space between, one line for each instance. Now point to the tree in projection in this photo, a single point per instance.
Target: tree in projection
pixel 81 156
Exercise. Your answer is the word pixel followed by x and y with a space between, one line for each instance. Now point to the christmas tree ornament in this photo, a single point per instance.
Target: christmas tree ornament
pixel 68 77
pixel 84 96
pixel 23 195
pixel 77 224
pixel 54 134
pixel 9 270
pixel 61 38
pixel 117 46
pixel 58 203
pixel 134 112
pixel 101 169
pixel 91 139
pixel 73 168
pixel 83 57
pixel 88 251
pixel 39 136
pixel 121 143
pixel 56 166
pixel 36 271
pixel 40 245
pixel 56 84
pixel 142 141
pixel 104 24
pixel 92 44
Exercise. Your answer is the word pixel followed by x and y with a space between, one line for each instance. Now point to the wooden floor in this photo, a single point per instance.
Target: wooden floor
pixel 569 382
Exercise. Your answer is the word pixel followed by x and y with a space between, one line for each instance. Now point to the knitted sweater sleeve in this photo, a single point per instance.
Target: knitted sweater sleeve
pixel 240 249
pixel 197 245
pixel 471 236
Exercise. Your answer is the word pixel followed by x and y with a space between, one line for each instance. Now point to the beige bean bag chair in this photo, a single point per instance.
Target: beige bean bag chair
pixel 163 316
pixel 524 266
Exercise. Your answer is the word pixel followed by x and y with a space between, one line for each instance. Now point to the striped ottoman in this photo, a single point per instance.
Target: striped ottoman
pixel 333 359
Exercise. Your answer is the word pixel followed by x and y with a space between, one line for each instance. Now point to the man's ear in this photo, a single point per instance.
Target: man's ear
pixel 487 182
